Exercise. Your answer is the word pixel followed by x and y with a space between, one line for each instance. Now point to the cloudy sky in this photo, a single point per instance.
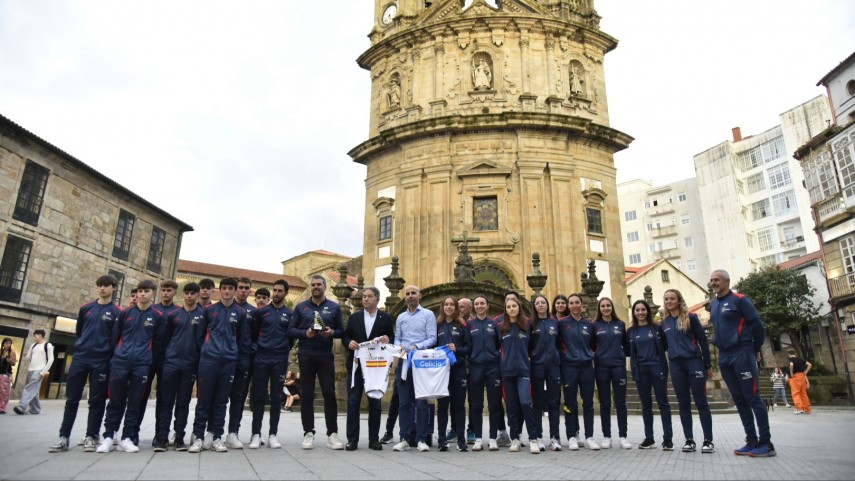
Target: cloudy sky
pixel 241 114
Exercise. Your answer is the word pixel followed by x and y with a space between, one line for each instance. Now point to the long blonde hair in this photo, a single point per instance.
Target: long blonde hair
pixel 683 322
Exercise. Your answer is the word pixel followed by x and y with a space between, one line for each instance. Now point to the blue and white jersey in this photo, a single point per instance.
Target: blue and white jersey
pixel 431 368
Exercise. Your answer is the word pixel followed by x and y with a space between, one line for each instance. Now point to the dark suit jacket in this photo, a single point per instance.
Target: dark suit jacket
pixel 355 331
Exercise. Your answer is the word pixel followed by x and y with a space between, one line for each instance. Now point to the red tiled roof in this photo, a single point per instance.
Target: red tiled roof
pixel 214 270
pixel 351 280
pixel 640 272
pixel 698 306
pixel 800 261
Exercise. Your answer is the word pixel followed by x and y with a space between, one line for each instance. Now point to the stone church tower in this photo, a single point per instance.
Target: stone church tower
pixel 489 118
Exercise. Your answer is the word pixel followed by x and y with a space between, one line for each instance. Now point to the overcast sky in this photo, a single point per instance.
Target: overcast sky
pixel 236 117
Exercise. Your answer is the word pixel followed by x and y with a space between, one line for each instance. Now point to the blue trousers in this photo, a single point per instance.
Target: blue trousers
pixel 174 391
pixel 408 402
pixel 354 399
pixel 457 387
pixel 127 386
pixel 268 377
pixel 97 373
pixel 578 378
pixel 612 379
pixel 739 371
pixel 481 376
pixel 654 377
pixel 237 397
pixel 689 379
pixel 517 393
pixel 548 399
pixel 214 383
pixel 154 370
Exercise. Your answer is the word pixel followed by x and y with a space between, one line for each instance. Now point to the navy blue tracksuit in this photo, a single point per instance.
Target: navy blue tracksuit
pixel 272 347
pixel 577 373
pixel 243 373
pixel 91 360
pixel 516 378
pixel 546 369
pixel 611 348
pixel 647 345
pixel 180 363
pixel 484 372
pixel 739 334
pixel 689 355
pixel 156 370
pixel 451 333
pixel 225 333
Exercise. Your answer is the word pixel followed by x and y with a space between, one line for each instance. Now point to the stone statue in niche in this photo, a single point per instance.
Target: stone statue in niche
pixel 393 95
pixel 576 80
pixel 482 76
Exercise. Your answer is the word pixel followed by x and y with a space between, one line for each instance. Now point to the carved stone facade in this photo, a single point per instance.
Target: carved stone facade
pixel 501 131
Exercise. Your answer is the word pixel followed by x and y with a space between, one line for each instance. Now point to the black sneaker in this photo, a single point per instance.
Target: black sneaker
pixel 159 445
pixel 667 445
pixel 179 444
pixel 708 447
pixel 461 446
pixel 648 443
pixel 386 439
pixel 443 447
pixel 689 447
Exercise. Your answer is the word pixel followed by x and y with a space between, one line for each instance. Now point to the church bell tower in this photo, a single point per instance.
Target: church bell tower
pixel 489 120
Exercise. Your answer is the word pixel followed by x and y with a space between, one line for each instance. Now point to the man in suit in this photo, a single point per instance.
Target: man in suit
pixel 366 325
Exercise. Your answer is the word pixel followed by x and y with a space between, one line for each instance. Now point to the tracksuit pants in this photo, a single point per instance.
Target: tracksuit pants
pixel 97 372
pixel 214 383
pixel 354 399
pixel 127 385
pixel 481 376
pixel 612 379
pixel 576 378
pixel 154 371
pixel 546 398
pixel 457 387
pixel 408 402
pixel 739 371
pixel 798 384
pixel 267 374
pixel 322 367
pixel 689 379
pixel 655 378
pixel 30 395
pixel 174 391
pixel 517 394
pixel 237 396
pixel 394 404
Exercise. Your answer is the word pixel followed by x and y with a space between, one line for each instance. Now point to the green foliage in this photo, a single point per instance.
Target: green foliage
pixel 783 299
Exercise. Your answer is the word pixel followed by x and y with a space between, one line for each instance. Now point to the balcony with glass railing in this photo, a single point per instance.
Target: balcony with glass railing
pixel 842 286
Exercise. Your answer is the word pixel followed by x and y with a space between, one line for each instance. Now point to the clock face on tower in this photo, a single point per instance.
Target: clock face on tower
pixel 389 14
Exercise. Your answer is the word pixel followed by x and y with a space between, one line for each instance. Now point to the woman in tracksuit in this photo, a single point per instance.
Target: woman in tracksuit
pixel 647 346
pixel 451 332
pixel 611 348
pixel 545 369
pixel 484 372
pixel 516 372
pixel 577 372
pixel 689 353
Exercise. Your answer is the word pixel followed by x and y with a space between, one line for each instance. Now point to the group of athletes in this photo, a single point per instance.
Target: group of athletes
pixel 524 364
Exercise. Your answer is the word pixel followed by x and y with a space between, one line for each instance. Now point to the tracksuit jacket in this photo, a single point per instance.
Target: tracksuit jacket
pixel 304 318
pixel 515 358
pixel 181 339
pixel 484 338
pixel 692 344
pixel 575 340
pixel 610 344
pixel 270 331
pixel 136 336
pixel 224 333
pixel 94 330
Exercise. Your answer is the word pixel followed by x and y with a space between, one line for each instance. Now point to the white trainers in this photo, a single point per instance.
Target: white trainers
pixel 533 446
pixel 555 444
pixel 309 440
pixel 492 445
pixel 478 446
pixel 515 446
pixel 606 444
pixel 572 444
pixel 423 447
pixel 273 442
pixel 195 446
pixel 233 442
pixel 402 446
pixel 208 442
pixel 128 446
pixel 591 444
pixel 171 439
pixel 255 441
pixel 106 446
pixel 540 445
pixel 334 443
pixel 219 446
pixel 625 444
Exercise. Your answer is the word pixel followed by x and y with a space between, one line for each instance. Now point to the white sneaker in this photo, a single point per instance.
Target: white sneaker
pixel 423 447
pixel 308 440
pixel 273 442
pixel 477 446
pixel 540 445
pixel 402 446
pixel 208 442
pixel 106 446
pixel 625 444
pixel 219 446
pixel 334 443
pixel 255 441
pixel 592 445
pixel 572 444
pixel 533 446
pixel 128 446
pixel 195 446
pixel 492 445
pixel 233 442
pixel 555 444
pixel 606 444
pixel 515 446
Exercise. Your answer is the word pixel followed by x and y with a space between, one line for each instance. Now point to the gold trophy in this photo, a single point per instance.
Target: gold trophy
pixel 319 322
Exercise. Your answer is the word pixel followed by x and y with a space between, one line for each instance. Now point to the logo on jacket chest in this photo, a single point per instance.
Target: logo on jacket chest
pixel 195 320
pixel 107 316
pixel 233 317
pixel 149 322
pixel 283 318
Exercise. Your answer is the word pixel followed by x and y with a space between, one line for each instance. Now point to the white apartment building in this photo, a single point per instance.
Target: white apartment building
pixel 756 211
pixel 664 222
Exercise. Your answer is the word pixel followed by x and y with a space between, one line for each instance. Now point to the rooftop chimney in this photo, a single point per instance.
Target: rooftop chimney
pixel 737 134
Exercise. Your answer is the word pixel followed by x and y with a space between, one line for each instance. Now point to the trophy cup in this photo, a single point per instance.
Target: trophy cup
pixel 319 322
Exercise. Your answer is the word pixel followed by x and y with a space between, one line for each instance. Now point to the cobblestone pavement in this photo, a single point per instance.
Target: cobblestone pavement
pixel 818 446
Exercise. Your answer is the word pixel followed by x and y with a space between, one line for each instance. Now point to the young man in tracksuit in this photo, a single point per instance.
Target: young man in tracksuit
pixel 269 329
pixel 91 361
pixel 739 335
pixel 225 332
pixel 243 369
pixel 175 386
pixel 137 334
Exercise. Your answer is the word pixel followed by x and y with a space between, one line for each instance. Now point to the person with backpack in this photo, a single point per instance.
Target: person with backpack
pixel 40 356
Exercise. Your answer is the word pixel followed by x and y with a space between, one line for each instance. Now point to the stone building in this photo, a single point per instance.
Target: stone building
pixel 660 276
pixel 192 271
pixel 489 120
pixel 62 225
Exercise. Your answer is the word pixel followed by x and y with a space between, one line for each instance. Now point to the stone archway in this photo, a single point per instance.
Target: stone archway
pixel 488 272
